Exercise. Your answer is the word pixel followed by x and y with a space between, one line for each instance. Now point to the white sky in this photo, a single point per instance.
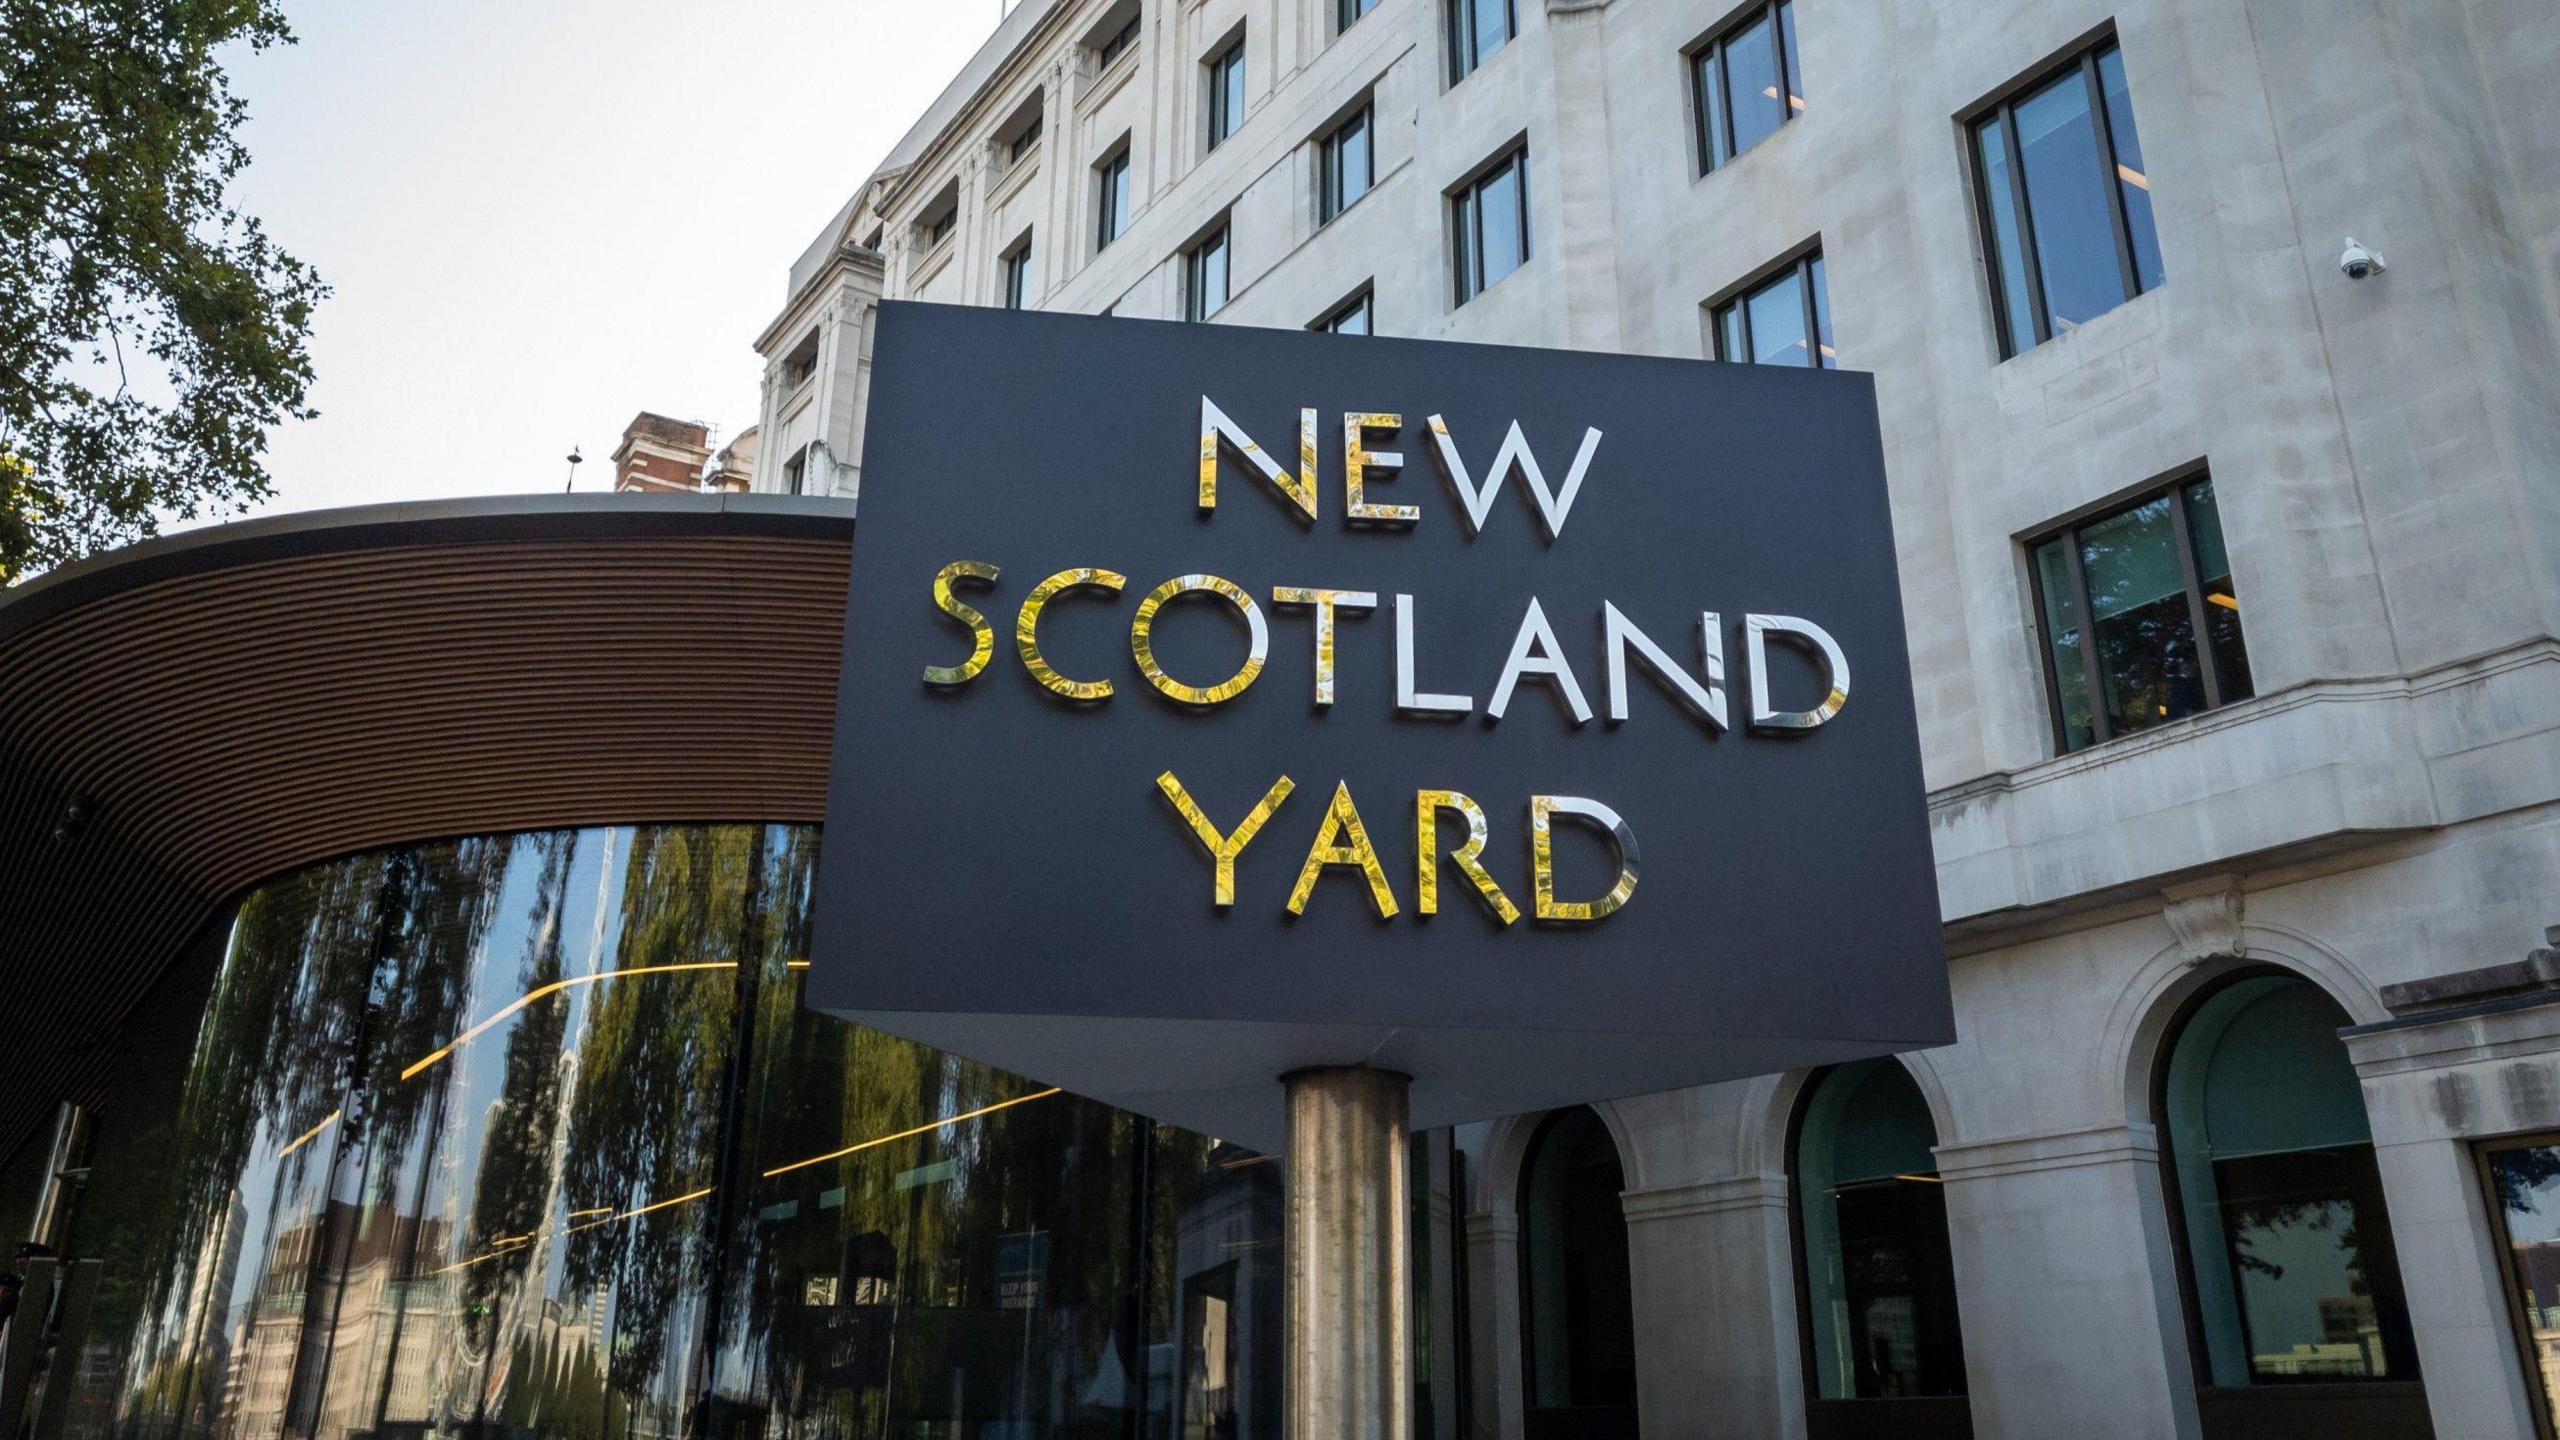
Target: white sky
pixel 542 216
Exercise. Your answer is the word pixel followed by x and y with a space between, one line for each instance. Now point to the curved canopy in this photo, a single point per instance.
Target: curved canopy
pixel 184 718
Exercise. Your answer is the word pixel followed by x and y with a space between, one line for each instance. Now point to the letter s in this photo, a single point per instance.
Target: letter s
pixel 949 604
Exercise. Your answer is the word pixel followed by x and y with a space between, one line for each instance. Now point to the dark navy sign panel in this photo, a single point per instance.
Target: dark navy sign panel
pixel 1003 878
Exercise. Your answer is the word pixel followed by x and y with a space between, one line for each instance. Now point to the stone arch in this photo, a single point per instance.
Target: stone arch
pixel 2139 1025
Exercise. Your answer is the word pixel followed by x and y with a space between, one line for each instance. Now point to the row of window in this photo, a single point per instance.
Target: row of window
pixel 2277 1220
pixel 2065 202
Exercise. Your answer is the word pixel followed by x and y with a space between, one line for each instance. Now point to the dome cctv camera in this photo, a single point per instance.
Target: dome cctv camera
pixel 2359 262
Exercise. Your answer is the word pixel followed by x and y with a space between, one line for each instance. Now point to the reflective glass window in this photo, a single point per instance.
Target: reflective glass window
pixel 1491 216
pixel 2524 1194
pixel 1746 82
pixel 1478 29
pixel 2288 1240
pixel 1226 93
pixel 1206 289
pixel 1017 275
pixel 2066 200
pixel 1111 194
pixel 1344 163
pixel 1769 324
pixel 1356 318
pixel 1879 1276
pixel 1347 13
pixel 2124 597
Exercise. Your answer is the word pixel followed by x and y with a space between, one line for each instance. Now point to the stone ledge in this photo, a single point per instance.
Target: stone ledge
pixel 2052 1150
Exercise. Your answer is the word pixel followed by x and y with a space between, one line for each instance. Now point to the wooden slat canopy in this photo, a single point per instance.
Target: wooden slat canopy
pixel 186 718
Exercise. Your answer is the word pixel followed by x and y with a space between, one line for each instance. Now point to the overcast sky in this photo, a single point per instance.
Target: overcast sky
pixel 542 217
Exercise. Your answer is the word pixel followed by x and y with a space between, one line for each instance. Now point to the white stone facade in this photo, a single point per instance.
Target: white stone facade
pixel 2386 454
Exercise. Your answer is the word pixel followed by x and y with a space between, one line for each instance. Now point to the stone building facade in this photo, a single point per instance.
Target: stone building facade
pixel 2233 581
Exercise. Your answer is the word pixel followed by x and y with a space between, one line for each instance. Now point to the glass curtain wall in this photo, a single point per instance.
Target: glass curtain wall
pixel 531 1136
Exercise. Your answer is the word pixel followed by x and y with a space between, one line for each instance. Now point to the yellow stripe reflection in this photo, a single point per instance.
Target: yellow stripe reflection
pixel 543 992
pixel 2133 177
pixel 909 1133
pixel 311 1134
pixel 510 1244
pixel 2227 602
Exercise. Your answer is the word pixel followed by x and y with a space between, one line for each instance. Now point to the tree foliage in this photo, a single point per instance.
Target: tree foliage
pixel 150 333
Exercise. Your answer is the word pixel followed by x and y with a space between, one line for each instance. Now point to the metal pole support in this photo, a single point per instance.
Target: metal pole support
pixel 1350 1318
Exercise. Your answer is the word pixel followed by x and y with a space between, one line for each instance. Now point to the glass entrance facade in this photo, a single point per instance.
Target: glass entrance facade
pixel 531 1136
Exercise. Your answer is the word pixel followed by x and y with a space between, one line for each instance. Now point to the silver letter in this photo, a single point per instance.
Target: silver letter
pixel 1325 603
pixel 1476 501
pixel 1406 700
pixel 1706 702
pixel 1807 636
pixel 1548 661
pixel 1217 431
pixel 1358 460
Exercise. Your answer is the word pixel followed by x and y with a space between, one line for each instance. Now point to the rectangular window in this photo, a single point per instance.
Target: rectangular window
pixel 1111 197
pixel 1206 293
pixel 1478 28
pixel 1354 317
pixel 1226 93
pixel 795 472
pixel 1492 225
pixel 941 226
pixel 2141 624
pixel 1122 41
pixel 2523 1177
pixel 1017 275
pixel 1746 82
pixel 2066 202
pixel 1347 13
pixel 1768 323
pixel 1025 140
pixel 801 363
pixel 1344 164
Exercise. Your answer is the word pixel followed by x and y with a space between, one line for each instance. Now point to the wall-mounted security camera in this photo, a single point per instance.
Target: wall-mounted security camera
pixel 2359 262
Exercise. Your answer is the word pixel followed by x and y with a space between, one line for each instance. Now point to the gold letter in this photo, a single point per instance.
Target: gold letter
pixel 1542 862
pixel 1343 819
pixel 1026 629
pixel 1217 430
pixel 1223 849
pixel 1326 603
pixel 1358 461
pixel 1142 640
pixel 949 604
pixel 1427 805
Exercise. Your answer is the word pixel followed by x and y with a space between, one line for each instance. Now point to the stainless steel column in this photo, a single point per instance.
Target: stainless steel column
pixel 1350 1321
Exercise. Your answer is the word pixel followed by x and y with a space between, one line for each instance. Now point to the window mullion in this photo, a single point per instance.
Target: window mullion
pixel 1812 326
pixel 2037 309
pixel 2204 657
pixel 1778 61
pixel 2114 188
pixel 2101 724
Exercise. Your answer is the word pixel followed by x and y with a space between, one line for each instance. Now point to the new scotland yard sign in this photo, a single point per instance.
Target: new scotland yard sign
pixel 1220 702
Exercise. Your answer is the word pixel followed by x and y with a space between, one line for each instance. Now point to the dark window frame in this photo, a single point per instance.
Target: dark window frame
pixel 2345 1410
pixel 1363 300
pixel 1330 201
pixel 2002 108
pixel 1347 13
pixel 2174 485
pixel 939 230
pixel 1111 195
pixel 1120 42
pixel 1226 90
pixel 1464 38
pixel 1015 264
pixel 1025 141
pixel 1738 300
pixel 1467 221
pixel 1711 114
pixel 2519 1322
pixel 1219 237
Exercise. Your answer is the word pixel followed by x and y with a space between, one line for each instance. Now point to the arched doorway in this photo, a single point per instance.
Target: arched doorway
pixel 2294 1302
pixel 1577 1300
pixel 1884 1347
